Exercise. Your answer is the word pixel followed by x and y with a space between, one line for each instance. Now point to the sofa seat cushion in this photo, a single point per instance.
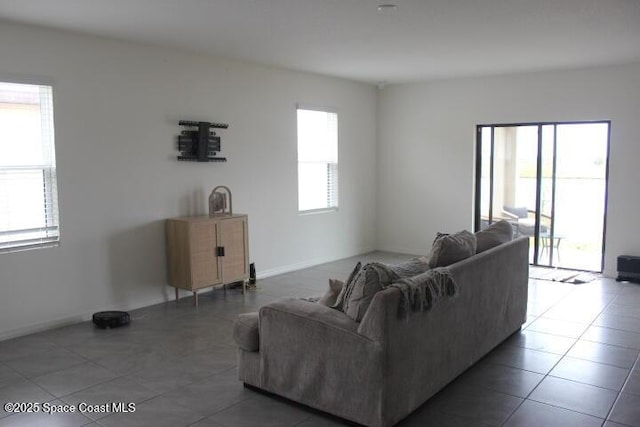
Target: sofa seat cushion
pixel 246 332
pixel 496 234
pixel 451 248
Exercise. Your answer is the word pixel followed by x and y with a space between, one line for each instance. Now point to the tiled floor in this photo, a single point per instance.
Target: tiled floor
pixel 575 363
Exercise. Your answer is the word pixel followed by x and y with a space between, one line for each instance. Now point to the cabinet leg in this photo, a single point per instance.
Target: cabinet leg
pixel 177 296
pixel 195 298
pixel 244 287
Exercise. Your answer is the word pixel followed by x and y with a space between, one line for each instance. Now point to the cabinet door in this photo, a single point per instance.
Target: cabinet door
pixel 178 256
pixel 233 236
pixel 205 270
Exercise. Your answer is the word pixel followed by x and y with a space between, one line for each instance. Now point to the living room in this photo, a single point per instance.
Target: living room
pixel 406 156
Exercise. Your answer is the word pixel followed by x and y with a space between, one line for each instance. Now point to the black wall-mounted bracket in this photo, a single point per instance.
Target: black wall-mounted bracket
pixel 198 143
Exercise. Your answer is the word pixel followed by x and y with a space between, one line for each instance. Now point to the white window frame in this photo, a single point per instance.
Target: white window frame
pixel 29 215
pixel 327 156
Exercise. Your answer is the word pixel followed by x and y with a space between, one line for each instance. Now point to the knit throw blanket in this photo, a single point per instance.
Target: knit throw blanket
pixel 424 291
pixel 407 269
pixel 421 287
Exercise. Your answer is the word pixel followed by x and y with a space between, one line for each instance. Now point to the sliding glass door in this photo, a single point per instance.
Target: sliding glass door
pixel 549 180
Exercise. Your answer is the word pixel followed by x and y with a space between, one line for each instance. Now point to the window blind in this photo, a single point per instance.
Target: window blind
pixel 29 215
pixel 317 160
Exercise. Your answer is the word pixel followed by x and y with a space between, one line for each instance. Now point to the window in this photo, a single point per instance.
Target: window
pixel 317 160
pixel 28 193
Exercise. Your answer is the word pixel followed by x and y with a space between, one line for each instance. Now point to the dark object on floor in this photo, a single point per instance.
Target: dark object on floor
pixel 252 273
pixel 111 319
pixel 628 268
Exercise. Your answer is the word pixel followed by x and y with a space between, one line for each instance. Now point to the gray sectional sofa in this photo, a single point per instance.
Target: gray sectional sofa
pixel 377 371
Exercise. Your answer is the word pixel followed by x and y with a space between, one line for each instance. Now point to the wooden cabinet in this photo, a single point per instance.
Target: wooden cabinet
pixel 205 251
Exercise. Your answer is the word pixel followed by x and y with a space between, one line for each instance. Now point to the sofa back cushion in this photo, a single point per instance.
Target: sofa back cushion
pixel 450 248
pixel 496 234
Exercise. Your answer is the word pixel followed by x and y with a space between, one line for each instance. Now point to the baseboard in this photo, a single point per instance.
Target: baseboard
pixel 305 264
pixel 85 316
pixel 74 319
pixel 41 327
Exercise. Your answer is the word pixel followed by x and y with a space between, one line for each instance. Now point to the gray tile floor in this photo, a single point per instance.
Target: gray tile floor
pixel 575 363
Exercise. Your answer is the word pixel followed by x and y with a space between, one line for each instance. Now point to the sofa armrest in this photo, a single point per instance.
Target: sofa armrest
pixel 382 312
pixel 313 354
pixel 246 333
pixel 311 312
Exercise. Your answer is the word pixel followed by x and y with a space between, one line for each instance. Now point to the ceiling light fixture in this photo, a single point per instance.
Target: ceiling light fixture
pixel 387 7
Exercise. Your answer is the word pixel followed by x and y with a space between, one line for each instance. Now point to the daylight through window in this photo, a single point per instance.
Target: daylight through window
pixel 28 191
pixel 317 160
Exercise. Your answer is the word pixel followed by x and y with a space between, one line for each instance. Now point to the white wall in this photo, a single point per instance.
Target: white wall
pixel 426 147
pixel 117 107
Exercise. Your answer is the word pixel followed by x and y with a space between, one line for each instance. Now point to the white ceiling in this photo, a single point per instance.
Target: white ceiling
pixel 422 40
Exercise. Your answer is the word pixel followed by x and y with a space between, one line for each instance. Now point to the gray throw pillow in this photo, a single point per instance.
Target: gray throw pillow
pixel 371 279
pixel 494 235
pixel 331 297
pixel 451 248
pixel 346 288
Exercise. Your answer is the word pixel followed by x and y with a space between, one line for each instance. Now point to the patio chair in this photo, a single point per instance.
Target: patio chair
pixel 524 224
